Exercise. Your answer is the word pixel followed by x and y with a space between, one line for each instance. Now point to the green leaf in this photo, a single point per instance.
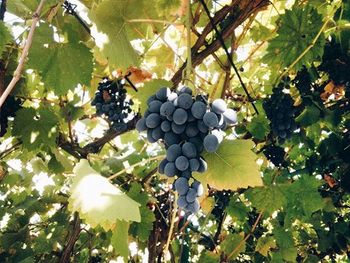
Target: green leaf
pixel 142 229
pixel 232 166
pixel 149 89
pixel 5 37
pixel 233 242
pixel 119 239
pixel 108 17
pixel 307 187
pixel 62 65
pixel 265 244
pixel 98 201
pixel 209 257
pixel 36 128
pixel 285 242
pixel 259 127
pixel 237 210
pixel 269 199
pixel 297 28
pixel 309 116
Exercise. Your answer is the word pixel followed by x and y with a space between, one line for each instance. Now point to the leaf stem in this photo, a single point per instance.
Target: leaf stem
pixel 24 55
pixel 172 223
pixel 135 165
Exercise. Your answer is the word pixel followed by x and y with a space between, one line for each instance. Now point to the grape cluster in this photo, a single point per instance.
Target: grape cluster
pixel 281 112
pixel 113 104
pixel 187 125
pixel 275 154
pixel 9 109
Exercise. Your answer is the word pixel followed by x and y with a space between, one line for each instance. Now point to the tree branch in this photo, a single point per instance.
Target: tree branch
pixel 93 147
pixel 247 8
pixel 20 66
pixel 72 238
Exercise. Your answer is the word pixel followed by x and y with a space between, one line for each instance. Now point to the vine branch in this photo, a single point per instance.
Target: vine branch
pixel 24 55
pixel 2 9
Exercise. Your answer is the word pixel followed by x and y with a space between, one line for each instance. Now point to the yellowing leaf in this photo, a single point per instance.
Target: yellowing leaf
pixel 232 166
pixel 265 244
pixel 98 201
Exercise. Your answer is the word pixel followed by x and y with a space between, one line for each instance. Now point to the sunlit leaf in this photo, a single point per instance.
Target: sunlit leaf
pixel 98 201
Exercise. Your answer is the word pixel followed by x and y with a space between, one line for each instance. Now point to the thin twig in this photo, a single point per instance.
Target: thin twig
pixel 20 66
pixel 247 236
pixel 135 165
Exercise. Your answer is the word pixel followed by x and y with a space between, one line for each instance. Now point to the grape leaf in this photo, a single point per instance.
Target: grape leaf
pixel 62 65
pixel 209 257
pixel 108 17
pixel 297 28
pixel 265 244
pixel 98 201
pixel 142 229
pixel 36 128
pixel 237 210
pixel 119 239
pixel 309 116
pixel 5 37
pixel 149 89
pixel 231 242
pixel 232 166
pixel 259 127
pixel 285 243
pixel 268 198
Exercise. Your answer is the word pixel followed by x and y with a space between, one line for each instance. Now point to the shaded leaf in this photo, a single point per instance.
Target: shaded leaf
pixel 259 127
pixel 265 244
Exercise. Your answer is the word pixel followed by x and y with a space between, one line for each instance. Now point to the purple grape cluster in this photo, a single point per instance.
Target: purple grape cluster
pixel 187 125
pixel 112 103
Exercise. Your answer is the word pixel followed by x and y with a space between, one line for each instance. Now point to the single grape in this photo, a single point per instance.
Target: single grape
pixel 180 116
pixel 198 187
pixel 202 127
pixel 210 119
pixel 140 125
pixel 192 129
pixel 194 164
pixel 157 133
pixel 186 90
pixel 189 150
pixel 167 109
pixel 193 207
pixel 162 94
pixel 146 114
pixel 197 141
pixel 191 195
pixel 165 126
pixel 151 98
pixel 150 137
pixel 203 166
pixel 219 106
pixel 161 166
pixel 198 109
pixel 170 169
pixel 181 163
pixel 173 152
pixel 187 174
pixel 171 138
pixel 211 143
pixel 154 106
pixel 153 120
pixel 181 185
pixel 230 116
pixel 181 202
pixel 178 129
pixel 120 126
pixel 185 101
